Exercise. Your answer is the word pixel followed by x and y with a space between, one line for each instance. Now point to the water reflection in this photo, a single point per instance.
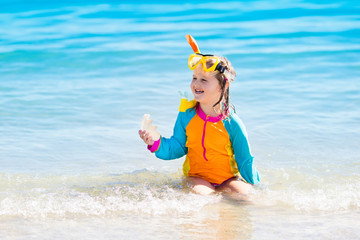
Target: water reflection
pixel 229 219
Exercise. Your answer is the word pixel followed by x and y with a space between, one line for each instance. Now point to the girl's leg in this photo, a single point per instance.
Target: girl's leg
pixel 201 186
pixel 234 185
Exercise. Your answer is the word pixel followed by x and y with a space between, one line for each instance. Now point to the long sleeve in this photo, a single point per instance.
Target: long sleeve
pixel 243 156
pixel 174 147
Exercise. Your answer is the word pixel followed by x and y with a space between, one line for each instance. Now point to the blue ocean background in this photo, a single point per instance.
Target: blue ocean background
pixel 76 78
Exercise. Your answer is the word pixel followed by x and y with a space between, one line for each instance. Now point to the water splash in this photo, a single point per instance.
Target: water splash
pixel 295 189
pixel 101 196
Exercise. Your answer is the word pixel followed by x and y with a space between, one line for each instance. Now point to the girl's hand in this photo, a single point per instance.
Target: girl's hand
pixel 148 132
pixel 145 136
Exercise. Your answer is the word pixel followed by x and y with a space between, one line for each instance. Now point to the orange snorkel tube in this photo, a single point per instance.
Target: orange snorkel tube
pixel 192 43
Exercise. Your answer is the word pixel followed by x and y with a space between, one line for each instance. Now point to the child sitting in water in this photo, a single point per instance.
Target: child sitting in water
pixel 208 132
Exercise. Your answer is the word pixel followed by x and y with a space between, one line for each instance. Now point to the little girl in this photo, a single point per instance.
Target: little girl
pixel 208 132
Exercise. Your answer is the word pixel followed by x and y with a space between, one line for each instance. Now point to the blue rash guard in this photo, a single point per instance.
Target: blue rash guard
pixel 216 148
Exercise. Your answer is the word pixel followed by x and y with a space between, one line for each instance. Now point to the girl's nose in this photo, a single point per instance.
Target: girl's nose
pixel 196 85
pixel 196 82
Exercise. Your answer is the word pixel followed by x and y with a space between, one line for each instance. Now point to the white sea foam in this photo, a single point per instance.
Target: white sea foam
pixel 310 192
pixel 61 196
pixel 154 193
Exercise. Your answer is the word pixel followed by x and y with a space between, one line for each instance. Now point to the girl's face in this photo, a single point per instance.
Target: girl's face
pixel 205 87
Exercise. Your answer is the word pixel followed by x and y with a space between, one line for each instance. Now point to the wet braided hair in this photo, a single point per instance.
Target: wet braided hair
pixel 224 99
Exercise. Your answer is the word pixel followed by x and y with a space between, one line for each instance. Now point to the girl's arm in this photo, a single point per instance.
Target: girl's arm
pixel 243 156
pixel 173 147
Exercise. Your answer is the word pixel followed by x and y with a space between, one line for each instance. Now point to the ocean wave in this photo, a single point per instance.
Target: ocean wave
pixel 106 27
pixel 152 193
pixel 142 192
pixel 328 190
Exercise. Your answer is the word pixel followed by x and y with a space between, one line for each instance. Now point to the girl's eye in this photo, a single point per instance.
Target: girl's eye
pixel 203 80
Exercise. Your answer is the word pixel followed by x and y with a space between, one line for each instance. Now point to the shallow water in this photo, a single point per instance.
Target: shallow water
pixel 76 78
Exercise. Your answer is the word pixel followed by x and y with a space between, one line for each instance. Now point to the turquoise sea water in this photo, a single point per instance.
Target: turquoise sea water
pixel 76 78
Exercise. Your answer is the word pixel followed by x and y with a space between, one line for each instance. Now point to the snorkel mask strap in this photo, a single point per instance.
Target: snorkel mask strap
pixel 220 68
pixel 227 73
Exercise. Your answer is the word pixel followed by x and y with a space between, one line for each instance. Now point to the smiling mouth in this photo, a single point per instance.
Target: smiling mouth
pixel 198 91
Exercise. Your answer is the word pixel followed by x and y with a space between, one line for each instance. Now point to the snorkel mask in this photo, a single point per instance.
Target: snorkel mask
pixel 208 61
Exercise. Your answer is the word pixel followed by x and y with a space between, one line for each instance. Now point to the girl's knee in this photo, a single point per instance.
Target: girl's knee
pixel 238 186
pixel 200 186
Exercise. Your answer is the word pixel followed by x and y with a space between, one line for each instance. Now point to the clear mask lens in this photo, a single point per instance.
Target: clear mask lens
pixel 194 61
